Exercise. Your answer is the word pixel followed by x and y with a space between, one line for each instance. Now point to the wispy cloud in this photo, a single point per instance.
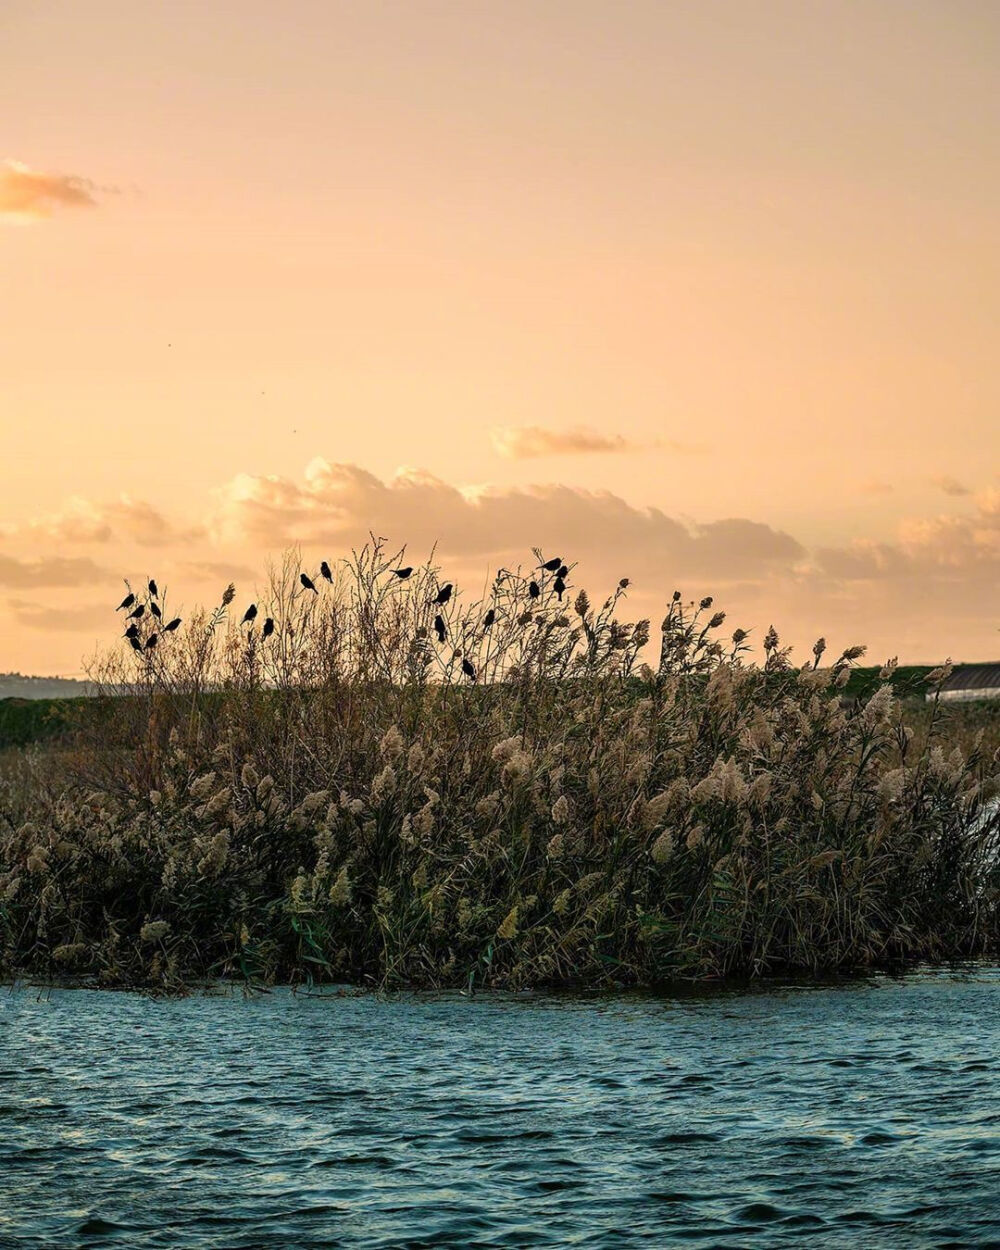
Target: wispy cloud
pixel 873 487
pixel 59 620
pixel 223 571
pixel 27 193
pixel 124 519
pixel 528 442
pixel 950 485
pixel 59 571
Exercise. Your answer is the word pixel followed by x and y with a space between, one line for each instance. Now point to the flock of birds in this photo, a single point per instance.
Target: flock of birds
pixel 138 610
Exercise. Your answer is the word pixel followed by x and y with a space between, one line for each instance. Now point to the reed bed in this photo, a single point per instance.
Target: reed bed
pixel 544 797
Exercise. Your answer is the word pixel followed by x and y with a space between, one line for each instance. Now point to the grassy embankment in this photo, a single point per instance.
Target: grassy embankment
pixel 348 804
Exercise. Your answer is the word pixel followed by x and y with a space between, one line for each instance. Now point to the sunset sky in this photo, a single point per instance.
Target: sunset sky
pixel 705 294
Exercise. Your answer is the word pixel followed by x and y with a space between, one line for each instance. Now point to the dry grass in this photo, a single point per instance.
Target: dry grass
pixel 340 801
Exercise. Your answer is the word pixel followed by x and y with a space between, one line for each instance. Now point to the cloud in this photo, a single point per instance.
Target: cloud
pixel 926 591
pixel 338 504
pixel 27 193
pixel 936 581
pixel 218 571
pixel 124 519
pixel 62 620
pixel 950 485
pixel 58 571
pixel 527 442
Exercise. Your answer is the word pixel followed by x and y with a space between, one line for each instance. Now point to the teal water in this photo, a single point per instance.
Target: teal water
pixel 858 1116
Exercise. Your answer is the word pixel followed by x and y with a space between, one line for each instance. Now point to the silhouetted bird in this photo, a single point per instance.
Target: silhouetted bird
pixel 126 602
pixel 534 590
pixel 249 614
pixel 132 631
pixel 489 618
pixel 155 609
pixel 152 588
pixel 562 571
pixel 150 642
pixel 403 574
pixel 171 625
pixel 307 583
pixel 324 568
pixel 560 586
pixel 443 595
pixel 550 566
pixel 439 627
pixel 468 669
pixel 136 644
pixel 136 612
pixel 268 628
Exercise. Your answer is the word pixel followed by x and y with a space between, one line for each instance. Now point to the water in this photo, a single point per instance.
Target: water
pixel 861 1116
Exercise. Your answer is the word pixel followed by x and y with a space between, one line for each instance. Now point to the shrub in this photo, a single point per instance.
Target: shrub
pixel 342 800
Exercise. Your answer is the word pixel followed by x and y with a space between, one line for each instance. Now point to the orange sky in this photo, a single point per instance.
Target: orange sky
pixel 705 294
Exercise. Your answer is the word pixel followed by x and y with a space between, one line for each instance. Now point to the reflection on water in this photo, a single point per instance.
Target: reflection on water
pixel 851 1116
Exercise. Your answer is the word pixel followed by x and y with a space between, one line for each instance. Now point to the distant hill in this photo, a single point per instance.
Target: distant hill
pixel 21 686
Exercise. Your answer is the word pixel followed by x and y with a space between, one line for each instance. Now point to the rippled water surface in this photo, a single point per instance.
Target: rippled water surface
pixel 859 1116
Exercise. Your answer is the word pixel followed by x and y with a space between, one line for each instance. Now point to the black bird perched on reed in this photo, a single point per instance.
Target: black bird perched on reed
pixel 171 625
pixel 534 590
pixel 249 614
pixel 443 595
pixel 150 642
pixel 468 669
pixel 560 586
pixel 132 631
pixel 152 588
pixel 126 602
pixel 562 571
pixel 489 618
pixel 403 573
pixel 136 644
pixel 550 566
pixel 324 569
pixel 268 629
pixel 136 612
pixel 307 583
pixel 155 609
pixel 439 627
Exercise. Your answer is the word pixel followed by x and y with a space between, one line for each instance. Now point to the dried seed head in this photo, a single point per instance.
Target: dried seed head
pixel 202 786
pixel 561 902
pixel 508 926
pixel 392 744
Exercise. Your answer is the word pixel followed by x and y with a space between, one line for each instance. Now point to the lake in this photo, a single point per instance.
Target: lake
pixel 857 1115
